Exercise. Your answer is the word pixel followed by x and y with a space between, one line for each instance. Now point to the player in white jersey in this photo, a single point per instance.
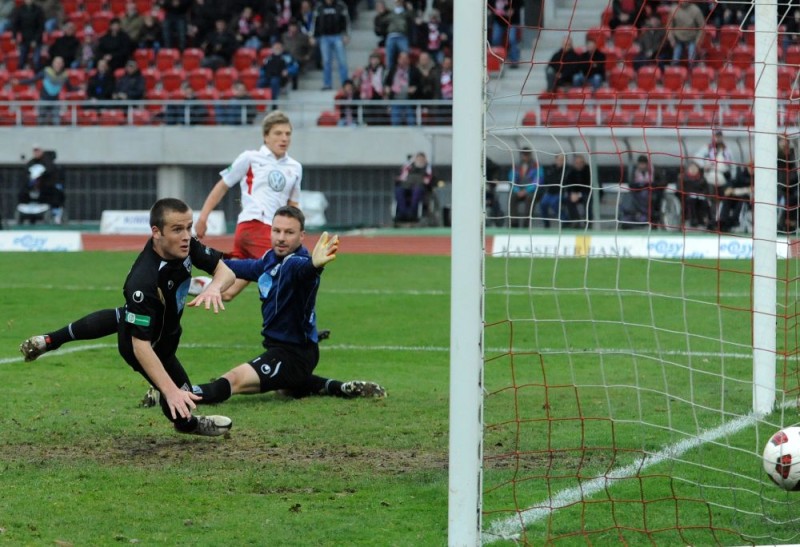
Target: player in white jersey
pixel 269 179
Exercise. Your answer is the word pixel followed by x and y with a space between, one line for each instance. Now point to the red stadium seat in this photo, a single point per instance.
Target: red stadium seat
pixel 674 77
pixel 624 36
pixel 156 95
pixel 792 57
pixel 702 77
pixel 529 118
pixel 199 78
pixel 70 6
pixel 244 58
pixel 172 79
pixel 328 118
pixel 225 78
pixel 143 6
pixel 646 118
pixel 192 58
pixel 112 116
pixel 589 116
pixel 742 56
pixel 261 95
pixel 21 74
pixel 606 16
pixel 714 57
pixel 701 119
pixel 557 118
pixel 77 76
pixel 728 78
pixel 249 78
pixel 749 78
pixel 167 58
pixel 87 117
pixel 620 78
pixel 100 21
pixel 93 6
pixel 648 77
pixel 787 77
pixel 7 44
pixel 151 78
pixel 117 7
pixel 741 101
pixel 141 116
pixel 606 99
pixel 600 35
pixel 77 95
pixel 618 118
pixel 78 18
pixel 144 58
pixel 632 100
pixel 495 56
pixel 729 37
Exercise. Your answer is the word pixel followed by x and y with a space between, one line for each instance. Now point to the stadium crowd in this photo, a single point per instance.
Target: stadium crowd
pixel 232 50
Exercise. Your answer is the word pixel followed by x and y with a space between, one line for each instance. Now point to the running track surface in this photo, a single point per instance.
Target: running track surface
pixel 357 244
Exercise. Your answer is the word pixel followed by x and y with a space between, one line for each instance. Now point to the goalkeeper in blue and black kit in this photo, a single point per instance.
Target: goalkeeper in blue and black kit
pixel 288 278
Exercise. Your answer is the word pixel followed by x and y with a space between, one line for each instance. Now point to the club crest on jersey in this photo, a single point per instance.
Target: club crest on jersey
pixel 276 181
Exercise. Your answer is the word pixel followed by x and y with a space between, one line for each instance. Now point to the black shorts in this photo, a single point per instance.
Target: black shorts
pixel 285 366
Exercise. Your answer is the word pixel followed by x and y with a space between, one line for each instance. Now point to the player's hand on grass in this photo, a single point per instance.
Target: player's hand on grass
pixel 211 297
pixel 325 250
pixel 181 403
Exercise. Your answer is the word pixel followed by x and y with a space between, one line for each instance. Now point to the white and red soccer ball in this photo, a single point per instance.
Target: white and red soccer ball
pixel 782 458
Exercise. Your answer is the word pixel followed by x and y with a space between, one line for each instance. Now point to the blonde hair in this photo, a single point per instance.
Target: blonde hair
pixel 272 119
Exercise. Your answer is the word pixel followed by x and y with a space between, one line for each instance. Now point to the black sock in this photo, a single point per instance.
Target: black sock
pixel 95 325
pixel 185 425
pixel 333 387
pixel 215 392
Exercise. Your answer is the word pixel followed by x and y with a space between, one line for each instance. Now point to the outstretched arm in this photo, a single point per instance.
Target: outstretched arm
pixel 181 403
pixel 212 294
pixel 325 250
pixel 212 200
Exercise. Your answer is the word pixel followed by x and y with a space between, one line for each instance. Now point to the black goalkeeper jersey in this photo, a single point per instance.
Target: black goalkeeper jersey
pixel 155 293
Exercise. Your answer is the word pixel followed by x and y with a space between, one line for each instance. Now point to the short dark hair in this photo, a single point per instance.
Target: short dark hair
pixel 292 212
pixel 160 208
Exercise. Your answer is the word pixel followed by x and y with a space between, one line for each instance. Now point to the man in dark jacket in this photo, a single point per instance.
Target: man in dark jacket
pixel 67 46
pixel 131 85
pixel 27 24
pixel 115 46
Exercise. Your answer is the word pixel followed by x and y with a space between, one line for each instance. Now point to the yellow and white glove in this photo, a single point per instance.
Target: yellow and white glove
pixel 325 250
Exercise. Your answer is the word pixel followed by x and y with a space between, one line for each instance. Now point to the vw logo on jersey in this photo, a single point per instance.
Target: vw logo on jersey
pixel 276 181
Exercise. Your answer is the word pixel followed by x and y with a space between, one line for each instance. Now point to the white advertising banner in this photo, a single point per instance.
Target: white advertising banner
pixel 138 222
pixel 628 246
pixel 44 240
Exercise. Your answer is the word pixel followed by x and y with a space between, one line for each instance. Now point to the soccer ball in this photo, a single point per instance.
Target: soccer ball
pixel 782 458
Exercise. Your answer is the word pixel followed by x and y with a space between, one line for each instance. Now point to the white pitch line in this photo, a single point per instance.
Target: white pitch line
pixel 510 529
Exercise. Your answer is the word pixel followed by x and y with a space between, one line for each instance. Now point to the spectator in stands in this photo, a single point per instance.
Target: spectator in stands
pixel 577 190
pixel 636 205
pixel 188 112
pixel 102 83
pixel 247 29
pixel 685 30
pixel 399 22
pixel 219 47
pixel 332 31
pixel 54 79
pixel 371 89
pixel 306 18
pixel 733 196
pixel 176 21
pixel 132 22
pixel 653 46
pixel 203 16
pixel 694 196
pixel 298 45
pixel 115 46
pixel 151 33
pixel 504 16
pixel 348 112
pixel 44 184
pixel 411 185
pixel 131 85
pixel 525 178
pixel 380 22
pixel 53 14
pixel 627 12
pixel 445 9
pixel 788 186
pixel 6 13
pixel 791 36
pixel 28 28
pixel 564 67
pixel 284 14
pixel 67 46
pixel 444 113
pixel 550 206
pixel 740 14
pixel 429 78
pixel 274 72
pixel 593 66
pixel 402 84
pixel 235 111
pixel 436 40
pixel 87 55
pixel 717 160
